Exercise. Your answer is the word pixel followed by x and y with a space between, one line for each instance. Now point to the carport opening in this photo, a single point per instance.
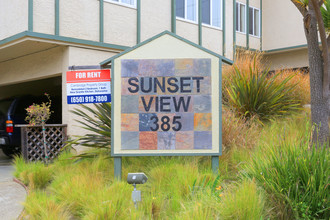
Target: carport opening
pixel 37 89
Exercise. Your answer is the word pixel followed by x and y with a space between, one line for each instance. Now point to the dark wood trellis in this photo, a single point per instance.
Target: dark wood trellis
pixel 32 141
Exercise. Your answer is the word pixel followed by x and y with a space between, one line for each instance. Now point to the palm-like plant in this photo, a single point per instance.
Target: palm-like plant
pixel 256 94
pixel 326 15
pixel 97 121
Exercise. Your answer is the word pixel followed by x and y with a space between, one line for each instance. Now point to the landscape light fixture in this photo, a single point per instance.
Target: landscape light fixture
pixel 136 178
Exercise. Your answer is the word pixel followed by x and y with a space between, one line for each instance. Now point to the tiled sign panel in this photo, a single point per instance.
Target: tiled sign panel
pixel 166 104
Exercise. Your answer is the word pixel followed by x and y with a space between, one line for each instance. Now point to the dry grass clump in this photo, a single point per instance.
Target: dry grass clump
pixel 300 83
pixel 238 132
pixel 243 61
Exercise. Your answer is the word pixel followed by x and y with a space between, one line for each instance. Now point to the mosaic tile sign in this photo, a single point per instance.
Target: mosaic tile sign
pixel 166 104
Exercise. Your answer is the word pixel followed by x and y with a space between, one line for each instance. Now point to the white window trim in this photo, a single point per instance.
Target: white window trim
pixel 254 8
pixel 239 16
pixel 186 20
pixel 211 16
pixel 210 26
pixel 122 3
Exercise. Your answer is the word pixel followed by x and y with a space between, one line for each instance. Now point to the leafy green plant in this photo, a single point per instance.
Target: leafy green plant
pixel 326 15
pixel 97 121
pixel 257 94
pixel 295 173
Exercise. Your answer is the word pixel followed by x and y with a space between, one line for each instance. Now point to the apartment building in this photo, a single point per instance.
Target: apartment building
pixel 40 39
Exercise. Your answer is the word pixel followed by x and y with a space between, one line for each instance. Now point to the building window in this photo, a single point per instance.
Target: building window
pixel 240 17
pixel 211 12
pixel 187 9
pixel 131 3
pixel 254 21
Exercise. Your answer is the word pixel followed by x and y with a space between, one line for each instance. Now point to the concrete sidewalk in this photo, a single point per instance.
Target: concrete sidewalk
pixel 12 194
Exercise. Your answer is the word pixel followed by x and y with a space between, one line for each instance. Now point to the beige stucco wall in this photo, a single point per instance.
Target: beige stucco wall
pixel 254 43
pixel 44 16
pixel 13 17
pixel 286 60
pixel 282 25
pixel 187 30
pixel 212 39
pixel 240 39
pixel 255 3
pixel 80 19
pixel 119 24
pixel 241 1
pixel 229 29
pixel 155 20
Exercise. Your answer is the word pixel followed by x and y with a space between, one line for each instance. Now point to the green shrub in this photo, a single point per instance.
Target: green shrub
pixel 41 205
pixel 97 121
pixel 296 174
pixel 246 201
pixel 34 174
pixel 255 93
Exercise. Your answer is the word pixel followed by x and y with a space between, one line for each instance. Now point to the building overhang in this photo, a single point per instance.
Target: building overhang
pixel 286 49
pixel 26 43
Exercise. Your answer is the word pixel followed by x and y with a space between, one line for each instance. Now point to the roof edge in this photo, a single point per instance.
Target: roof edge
pixel 224 59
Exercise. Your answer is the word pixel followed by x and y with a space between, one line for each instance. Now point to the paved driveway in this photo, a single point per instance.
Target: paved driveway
pixel 11 193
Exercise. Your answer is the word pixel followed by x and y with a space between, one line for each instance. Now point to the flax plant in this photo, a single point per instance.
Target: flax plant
pixel 97 121
pixel 257 94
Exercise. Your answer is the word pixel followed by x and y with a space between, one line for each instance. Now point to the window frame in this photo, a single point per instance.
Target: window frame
pixel 120 2
pixel 238 15
pixel 254 9
pixel 197 15
pixel 185 13
pixel 211 16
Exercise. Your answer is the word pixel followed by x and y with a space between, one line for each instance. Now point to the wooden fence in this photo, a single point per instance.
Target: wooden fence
pixel 32 141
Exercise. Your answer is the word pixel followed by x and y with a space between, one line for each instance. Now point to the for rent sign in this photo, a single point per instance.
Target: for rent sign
pixel 88 86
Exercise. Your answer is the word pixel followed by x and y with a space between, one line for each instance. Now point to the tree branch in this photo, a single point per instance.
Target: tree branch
pixel 324 48
pixel 300 7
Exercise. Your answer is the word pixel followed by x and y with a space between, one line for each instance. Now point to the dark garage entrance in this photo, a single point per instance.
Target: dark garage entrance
pixel 15 98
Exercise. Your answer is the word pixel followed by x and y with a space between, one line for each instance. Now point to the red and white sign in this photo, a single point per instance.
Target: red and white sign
pixel 88 86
